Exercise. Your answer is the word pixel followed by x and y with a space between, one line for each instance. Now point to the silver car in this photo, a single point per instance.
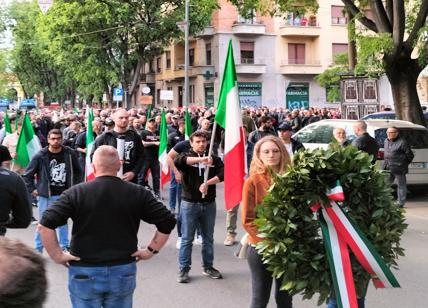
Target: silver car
pixel 320 134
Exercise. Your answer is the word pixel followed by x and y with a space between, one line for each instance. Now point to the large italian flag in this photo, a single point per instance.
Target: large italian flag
pixel 28 143
pixel 89 169
pixel 163 155
pixel 228 116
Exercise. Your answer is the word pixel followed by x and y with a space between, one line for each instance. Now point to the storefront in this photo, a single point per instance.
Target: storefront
pixel 250 94
pixel 297 95
pixel 209 95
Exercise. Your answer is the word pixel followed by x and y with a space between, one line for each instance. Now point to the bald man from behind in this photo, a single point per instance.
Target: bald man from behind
pixel 106 214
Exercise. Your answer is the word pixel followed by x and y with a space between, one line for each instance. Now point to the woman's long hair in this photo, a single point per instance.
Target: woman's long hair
pixel 257 166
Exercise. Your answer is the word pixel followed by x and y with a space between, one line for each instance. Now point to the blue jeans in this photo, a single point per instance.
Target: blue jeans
pixel 333 304
pixel 105 286
pixel 174 192
pixel 62 231
pixel 191 214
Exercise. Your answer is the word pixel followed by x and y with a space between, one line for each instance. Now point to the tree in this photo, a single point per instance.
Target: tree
pixel 104 43
pixel 31 61
pixel 398 42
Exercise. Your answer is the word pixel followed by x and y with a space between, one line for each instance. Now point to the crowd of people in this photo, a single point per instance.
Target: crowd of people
pixel 125 158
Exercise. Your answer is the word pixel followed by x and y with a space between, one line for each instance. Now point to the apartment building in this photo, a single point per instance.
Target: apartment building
pixel 276 58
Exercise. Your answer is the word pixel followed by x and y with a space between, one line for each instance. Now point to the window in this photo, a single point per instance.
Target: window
pixel 247 52
pixel 158 64
pixel 168 59
pixel 338 15
pixel 417 138
pixel 191 57
pixel 322 134
pixel 339 49
pixel 250 18
pixel 296 53
pixel 192 94
pixel 151 67
pixel 208 53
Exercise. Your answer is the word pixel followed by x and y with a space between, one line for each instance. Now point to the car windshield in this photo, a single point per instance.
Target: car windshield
pixel 417 138
pixel 321 134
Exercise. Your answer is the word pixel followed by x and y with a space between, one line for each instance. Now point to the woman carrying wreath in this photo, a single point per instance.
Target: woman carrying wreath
pixel 270 157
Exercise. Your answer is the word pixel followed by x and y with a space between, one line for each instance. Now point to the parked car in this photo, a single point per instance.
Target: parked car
pixel 320 134
pixel 388 115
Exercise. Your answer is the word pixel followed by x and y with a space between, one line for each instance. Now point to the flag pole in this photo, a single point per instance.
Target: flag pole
pixel 210 152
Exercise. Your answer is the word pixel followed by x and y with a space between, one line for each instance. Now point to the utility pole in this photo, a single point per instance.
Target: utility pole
pixel 186 55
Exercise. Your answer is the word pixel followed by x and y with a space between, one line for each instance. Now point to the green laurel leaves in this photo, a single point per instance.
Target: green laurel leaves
pixel 293 246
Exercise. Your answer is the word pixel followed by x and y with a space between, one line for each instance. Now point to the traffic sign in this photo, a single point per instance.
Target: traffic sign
pixel 117 94
pixel 45 5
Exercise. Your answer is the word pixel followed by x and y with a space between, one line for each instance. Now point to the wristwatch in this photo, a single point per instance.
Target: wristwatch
pixel 153 251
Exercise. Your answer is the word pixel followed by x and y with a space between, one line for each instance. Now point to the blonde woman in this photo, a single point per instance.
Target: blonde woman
pixel 270 157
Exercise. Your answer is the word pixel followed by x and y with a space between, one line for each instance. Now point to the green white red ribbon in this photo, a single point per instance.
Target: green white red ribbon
pixel 340 232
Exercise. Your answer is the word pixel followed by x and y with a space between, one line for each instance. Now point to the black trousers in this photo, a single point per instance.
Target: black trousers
pixel 154 167
pixel 261 282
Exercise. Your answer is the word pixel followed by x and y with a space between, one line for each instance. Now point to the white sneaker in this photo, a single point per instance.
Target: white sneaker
pixel 198 240
pixel 178 244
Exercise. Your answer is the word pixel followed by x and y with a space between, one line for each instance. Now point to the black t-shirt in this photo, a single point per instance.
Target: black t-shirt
pixel 182 147
pixel 57 173
pixel 151 152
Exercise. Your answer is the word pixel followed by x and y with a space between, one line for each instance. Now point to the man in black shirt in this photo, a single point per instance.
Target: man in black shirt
pixel 127 142
pixel 364 141
pixel 57 168
pixel 150 138
pixel 198 204
pixel 106 214
pixel 15 206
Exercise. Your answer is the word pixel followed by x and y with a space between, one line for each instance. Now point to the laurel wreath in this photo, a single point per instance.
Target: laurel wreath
pixel 292 245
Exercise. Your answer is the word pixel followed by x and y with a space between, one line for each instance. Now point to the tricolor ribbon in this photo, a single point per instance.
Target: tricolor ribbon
pixel 340 232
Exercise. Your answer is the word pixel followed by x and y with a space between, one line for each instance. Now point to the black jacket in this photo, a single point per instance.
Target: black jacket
pixel 135 161
pixel 397 155
pixel 193 177
pixel 106 214
pixel 296 145
pixel 40 165
pixel 368 144
pixel 14 199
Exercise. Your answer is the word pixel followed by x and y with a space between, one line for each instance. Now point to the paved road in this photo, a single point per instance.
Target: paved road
pixel 157 286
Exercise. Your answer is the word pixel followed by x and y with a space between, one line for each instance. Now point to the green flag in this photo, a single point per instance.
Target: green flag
pixel 8 128
pixel 187 125
pixel 28 143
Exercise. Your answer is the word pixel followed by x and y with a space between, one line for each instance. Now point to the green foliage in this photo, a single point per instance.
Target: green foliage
pixel 330 78
pixel 370 53
pixel 275 8
pixel 293 247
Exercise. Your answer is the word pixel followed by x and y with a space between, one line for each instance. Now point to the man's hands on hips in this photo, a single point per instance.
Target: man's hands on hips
pixel 142 254
pixel 64 258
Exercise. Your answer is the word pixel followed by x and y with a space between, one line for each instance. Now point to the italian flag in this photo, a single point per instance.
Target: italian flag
pixel 163 156
pixel 228 116
pixel 89 170
pixel 187 125
pixel 7 127
pixel 28 143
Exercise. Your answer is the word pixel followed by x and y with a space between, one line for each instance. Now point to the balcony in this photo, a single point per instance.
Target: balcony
pixel 248 29
pixel 251 66
pixel 150 77
pixel 293 31
pixel 207 32
pixel 208 71
pixel 308 68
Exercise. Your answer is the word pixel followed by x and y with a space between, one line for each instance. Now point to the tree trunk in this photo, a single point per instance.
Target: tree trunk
pixel 403 74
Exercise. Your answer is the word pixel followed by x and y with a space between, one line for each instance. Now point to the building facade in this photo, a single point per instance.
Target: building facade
pixel 276 59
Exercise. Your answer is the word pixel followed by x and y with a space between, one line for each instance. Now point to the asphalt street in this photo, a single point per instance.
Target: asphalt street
pixel 157 286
